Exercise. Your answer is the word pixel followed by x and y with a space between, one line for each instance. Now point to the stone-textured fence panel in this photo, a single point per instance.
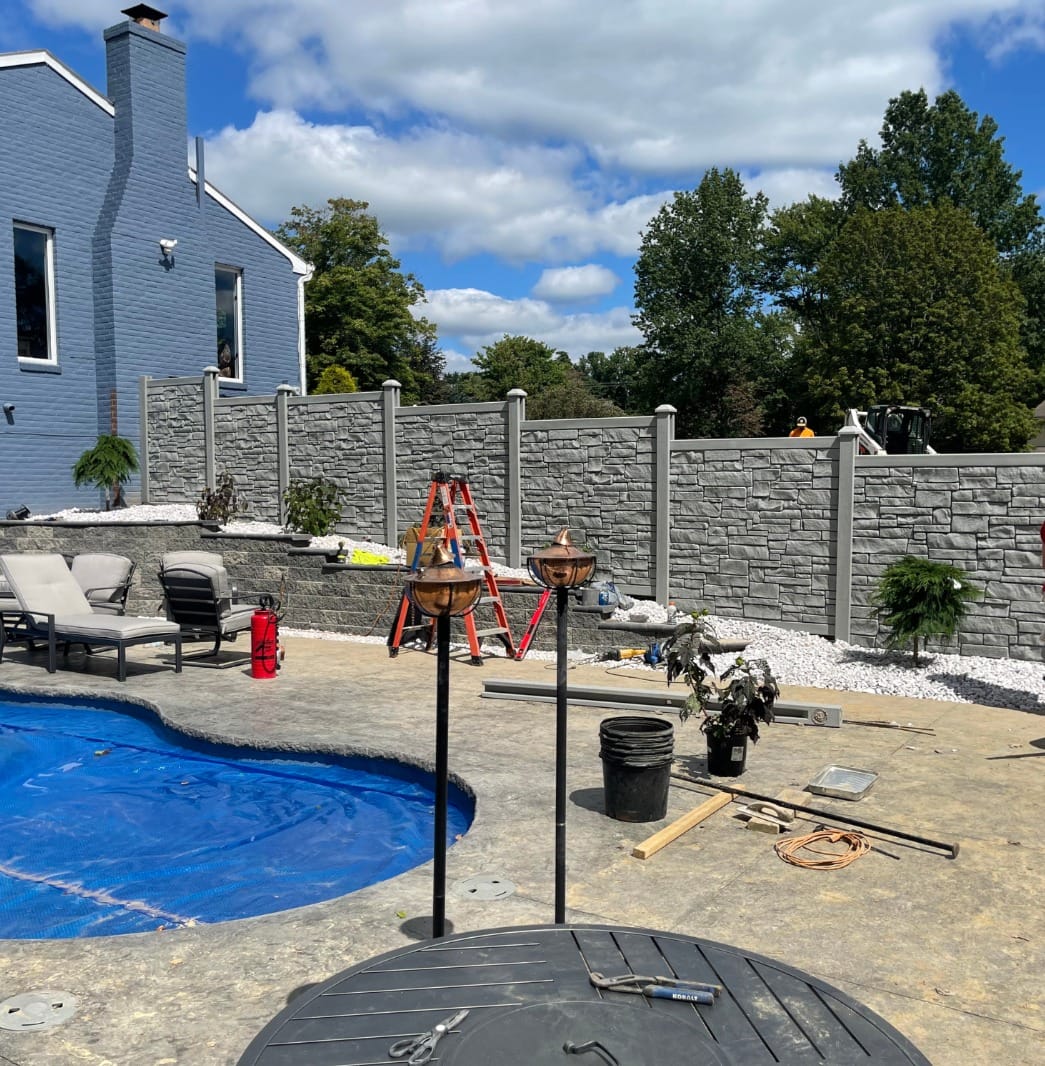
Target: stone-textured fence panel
pixel 751 531
pixel 597 477
pixel 173 448
pixel 981 513
pixel 245 448
pixel 340 438
pixel 468 443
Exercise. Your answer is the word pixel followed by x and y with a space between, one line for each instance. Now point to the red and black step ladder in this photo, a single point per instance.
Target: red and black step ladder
pixel 449 495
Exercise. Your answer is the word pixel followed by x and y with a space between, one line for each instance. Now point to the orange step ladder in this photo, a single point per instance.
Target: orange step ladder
pixel 449 495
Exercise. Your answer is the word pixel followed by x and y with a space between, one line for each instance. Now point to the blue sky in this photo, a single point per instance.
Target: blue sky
pixel 514 152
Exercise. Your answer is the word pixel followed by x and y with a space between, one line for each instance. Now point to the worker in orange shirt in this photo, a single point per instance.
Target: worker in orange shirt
pixel 801 429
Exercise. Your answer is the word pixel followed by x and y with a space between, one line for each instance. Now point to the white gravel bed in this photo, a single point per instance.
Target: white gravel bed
pixel 796 658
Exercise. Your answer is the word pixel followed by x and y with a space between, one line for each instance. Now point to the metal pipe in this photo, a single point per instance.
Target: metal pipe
pixel 562 602
pixel 442 765
pixel 952 849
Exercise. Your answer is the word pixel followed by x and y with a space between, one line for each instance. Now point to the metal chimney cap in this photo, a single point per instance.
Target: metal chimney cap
pixel 149 17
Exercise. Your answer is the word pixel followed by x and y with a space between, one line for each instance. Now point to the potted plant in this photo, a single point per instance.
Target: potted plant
pixel 108 465
pixel 743 695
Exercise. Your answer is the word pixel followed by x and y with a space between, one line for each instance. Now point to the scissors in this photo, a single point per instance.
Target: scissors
pixel 420 1048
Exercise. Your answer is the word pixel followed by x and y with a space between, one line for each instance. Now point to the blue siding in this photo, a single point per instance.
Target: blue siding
pixel 53 172
pixel 111 189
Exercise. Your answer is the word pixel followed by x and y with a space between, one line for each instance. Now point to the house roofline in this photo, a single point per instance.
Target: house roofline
pixel 299 264
pixel 44 58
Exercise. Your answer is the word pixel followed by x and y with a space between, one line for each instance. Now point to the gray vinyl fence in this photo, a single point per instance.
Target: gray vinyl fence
pixel 793 532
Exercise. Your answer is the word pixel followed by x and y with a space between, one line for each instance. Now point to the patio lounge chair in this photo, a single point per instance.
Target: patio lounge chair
pixel 199 597
pixel 55 608
pixel 105 579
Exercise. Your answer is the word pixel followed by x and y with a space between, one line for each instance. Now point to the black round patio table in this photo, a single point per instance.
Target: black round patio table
pixel 528 995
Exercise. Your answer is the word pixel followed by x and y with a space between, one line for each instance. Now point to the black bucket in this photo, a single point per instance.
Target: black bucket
pixel 636 758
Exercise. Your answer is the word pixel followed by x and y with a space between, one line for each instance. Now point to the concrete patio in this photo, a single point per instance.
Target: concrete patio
pixel 951 952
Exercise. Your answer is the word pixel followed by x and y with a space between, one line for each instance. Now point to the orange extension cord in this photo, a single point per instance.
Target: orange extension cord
pixel 788 849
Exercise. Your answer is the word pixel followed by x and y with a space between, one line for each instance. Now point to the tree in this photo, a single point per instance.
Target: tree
pixel 1028 271
pixel 614 377
pixel 107 466
pixel 707 339
pixel 357 305
pixel 942 153
pixel 916 309
pixel 554 387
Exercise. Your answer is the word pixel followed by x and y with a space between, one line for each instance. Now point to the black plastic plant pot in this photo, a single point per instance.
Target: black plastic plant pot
pixel 728 757
pixel 636 758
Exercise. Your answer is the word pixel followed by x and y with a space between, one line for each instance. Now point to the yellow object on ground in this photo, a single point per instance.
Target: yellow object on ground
pixel 365 558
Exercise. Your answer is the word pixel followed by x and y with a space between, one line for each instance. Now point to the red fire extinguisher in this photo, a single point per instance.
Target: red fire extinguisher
pixel 264 640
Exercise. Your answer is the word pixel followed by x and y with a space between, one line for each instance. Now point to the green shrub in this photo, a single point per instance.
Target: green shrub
pixel 219 504
pixel 313 506
pixel 107 465
pixel 917 599
pixel 335 379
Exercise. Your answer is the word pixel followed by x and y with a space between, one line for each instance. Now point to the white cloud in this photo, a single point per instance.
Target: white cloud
pixel 656 87
pixel 570 284
pixel 785 187
pixel 478 318
pixel 455 191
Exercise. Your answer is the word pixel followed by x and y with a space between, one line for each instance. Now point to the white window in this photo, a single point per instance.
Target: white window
pixel 228 298
pixel 34 293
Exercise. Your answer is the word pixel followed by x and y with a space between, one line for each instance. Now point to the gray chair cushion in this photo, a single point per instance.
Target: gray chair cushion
pixel 112 627
pixel 104 578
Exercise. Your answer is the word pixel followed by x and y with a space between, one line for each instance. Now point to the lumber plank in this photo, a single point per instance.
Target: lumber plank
pixel 665 836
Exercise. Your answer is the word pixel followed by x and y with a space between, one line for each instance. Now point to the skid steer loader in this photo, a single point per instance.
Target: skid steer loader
pixel 892 429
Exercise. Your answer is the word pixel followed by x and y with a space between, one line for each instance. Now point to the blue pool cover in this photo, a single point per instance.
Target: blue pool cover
pixel 114 823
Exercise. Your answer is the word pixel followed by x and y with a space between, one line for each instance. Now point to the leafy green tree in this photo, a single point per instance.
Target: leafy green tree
pixel 707 339
pixel 942 153
pixel 915 308
pixel 614 377
pixel 516 362
pixel 357 305
pixel 1028 271
pixel 554 387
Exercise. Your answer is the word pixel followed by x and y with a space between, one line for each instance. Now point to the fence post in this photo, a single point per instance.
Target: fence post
pixel 210 396
pixel 389 404
pixel 283 394
pixel 516 412
pixel 143 436
pixel 843 616
pixel 662 502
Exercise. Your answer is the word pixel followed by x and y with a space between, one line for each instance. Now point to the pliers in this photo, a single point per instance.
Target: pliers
pixel 658 987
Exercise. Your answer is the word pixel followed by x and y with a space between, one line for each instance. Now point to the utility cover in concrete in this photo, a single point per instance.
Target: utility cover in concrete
pixel 32 1011
pixel 484 886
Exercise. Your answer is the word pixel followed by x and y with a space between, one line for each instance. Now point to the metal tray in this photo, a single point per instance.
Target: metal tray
pixel 843 782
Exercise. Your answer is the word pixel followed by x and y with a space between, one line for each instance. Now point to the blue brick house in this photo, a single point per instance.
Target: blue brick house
pixel 120 260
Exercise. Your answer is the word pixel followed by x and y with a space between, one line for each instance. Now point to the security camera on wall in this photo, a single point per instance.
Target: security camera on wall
pixel 167 245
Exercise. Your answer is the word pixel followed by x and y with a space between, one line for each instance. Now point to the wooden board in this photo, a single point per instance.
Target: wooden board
pixel 666 835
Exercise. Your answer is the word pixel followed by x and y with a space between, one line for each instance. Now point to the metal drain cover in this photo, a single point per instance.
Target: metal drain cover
pixel 33 1011
pixel 485 886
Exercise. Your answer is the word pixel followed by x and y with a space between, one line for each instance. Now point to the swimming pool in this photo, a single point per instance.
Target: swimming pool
pixel 115 823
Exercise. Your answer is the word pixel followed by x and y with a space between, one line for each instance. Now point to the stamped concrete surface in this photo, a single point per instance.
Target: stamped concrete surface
pixel 951 952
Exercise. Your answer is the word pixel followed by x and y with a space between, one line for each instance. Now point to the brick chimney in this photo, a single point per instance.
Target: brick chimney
pixel 146 83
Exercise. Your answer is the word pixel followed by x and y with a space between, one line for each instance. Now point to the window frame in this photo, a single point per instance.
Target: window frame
pixel 30 361
pixel 237 295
